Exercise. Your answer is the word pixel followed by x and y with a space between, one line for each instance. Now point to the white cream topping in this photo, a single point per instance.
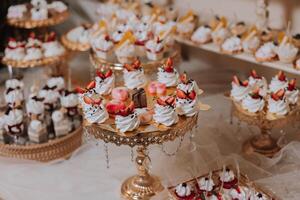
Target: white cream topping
pixel 206 184
pixel 36 127
pixel 53 48
pixel 238 92
pixel 287 52
pixel 190 86
pixel 253 105
pixel 33 54
pixel 59 82
pixel 95 113
pixel 79 34
pixel 292 96
pixel 14 117
pixel 39 13
pixel 50 96
pixel 71 100
pixel 16 11
pixel 154 47
pixel 128 123
pixel 58 6
pixel 117 35
pixel 134 79
pixel 227 176
pixel 14 84
pixel 101 44
pixel 251 45
pixel 221 34
pixel 239 195
pixel 187 107
pixel 39 3
pixel 170 79
pixel 280 107
pixel 35 107
pixel 141 35
pixel 276 84
pixel 183 191
pixel 232 44
pixel 165 115
pixel 185 27
pixel 202 35
pixel 261 83
pixel 14 96
pixel 104 86
pixel 57 116
pixel 15 54
pixel 268 50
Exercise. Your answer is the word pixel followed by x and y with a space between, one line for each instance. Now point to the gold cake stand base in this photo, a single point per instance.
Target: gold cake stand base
pixel 142 186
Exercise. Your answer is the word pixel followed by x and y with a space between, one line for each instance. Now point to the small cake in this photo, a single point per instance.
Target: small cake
pixel 202 35
pixel 103 46
pixel 228 179
pixel 61 123
pixel 133 75
pixel 33 48
pixel 14 122
pixel 14 84
pixel 14 97
pixel 155 49
pixel 206 184
pixel 186 24
pixel 232 45
pixel 239 89
pixel 39 13
pixel 258 196
pixel 52 47
pixel 127 119
pixel 186 103
pixel 278 82
pixel 120 94
pixel 266 53
pixel 35 108
pixel 57 83
pixel 14 50
pixel 256 81
pixel 287 52
pixel 139 98
pixel 50 97
pixel 16 11
pixel 278 104
pixel 167 74
pixel 94 111
pixel 220 31
pixel 253 102
pixel 239 28
pixel 105 81
pixel 69 101
pixel 58 6
pixel 37 131
pixel 165 111
pixel 292 92
pixel 251 43
pixel 79 34
pixel 184 192
pixel 239 193
pixel 89 91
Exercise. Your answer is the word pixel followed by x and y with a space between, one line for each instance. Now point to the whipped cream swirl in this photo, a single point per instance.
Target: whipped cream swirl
pixel 227 176
pixel 14 84
pixel 238 92
pixel 292 96
pixel 280 107
pixel 95 113
pixel 187 107
pixel 183 190
pixel 134 79
pixel 232 44
pixel 35 107
pixel 69 101
pixel 104 86
pixel 287 53
pixel 188 87
pixel 206 184
pixel 261 83
pixel 127 123
pixel 170 79
pixel 253 105
pixel 202 35
pixel 14 117
pixel 14 96
pixel 165 115
pixel 277 84
pixel 240 193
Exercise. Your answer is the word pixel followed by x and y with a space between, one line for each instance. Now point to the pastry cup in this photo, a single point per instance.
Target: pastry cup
pixel 269 59
pixel 74 46
pixel 285 59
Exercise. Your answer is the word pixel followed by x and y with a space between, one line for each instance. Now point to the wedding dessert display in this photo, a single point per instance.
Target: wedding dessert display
pixel 44 126
pixel 266 106
pixel 222 184
pixel 140 113
pixel 37 13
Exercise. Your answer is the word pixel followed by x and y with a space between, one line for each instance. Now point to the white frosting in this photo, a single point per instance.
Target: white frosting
pixel 232 44
pixel 53 48
pixel 57 116
pixel 134 79
pixel 39 3
pixel 183 191
pixel 185 27
pixel 36 126
pixel 242 194
pixel 187 107
pixel 104 86
pixel 287 52
pixel 251 44
pixel 107 9
pixel 280 107
pixel 117 35
pixel 100 44
pixel 59 82
pixel 202 35
pixel 141 34
pixel 292 96
pixel 276 84
pixel 206 184
pixel 50 96
pixel 17 53
pixel 14 117
pixel 238 92
pixel 95 113
pixel 266 51
pixel 33 54
pixel 220 34
pixel 14 96
pixel 261 83
pixel 39 13
pixel 227 176
pixel 165 115
pixel 58 6
pixel 16 11
pixel 253 105
pixel 154 47
pixel 126 51
pixel 79 34
pixel 35 107
pixel 169 79
pixel 189 87
pixel 71 100
pixel 128 123
pixel 258 196
pixel 14 84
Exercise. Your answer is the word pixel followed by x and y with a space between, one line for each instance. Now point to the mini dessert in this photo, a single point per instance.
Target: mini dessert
pixel 62 125
pixel 58 6
pixel 105 81
pixel 239 29
pixel 239 89
pixel 103 46
pixel 186 103
pixel 94 111
pixel 206 184
pixel 117 36
pixel 69 101
pixel 187 24
pixel 292 92
pixel 266 53
pixel 127 119
pixel 52 47
pixel 39 13
pixel 202 35
pixel 220 32
pixel 133 75
pixel 37 131
pixel 253 102
pixel 16 11
pixel 120 94
pixel 14 84
pixel 232 45
pixel 14 122
pixel 278 82
pixel 39 3
pixel 251 42
pixel 187 84
pixel 89 91
pixel 278 104
pixel 79 34
pixel 228 179
pixel 35 108
pixel 57 83
pixel 258 196
pixel 139 98
pixel 50 96
pixel 155 49
pixel 287 52
pixel 14 97
pixel 157 88
pixel 184 191
pixel 142 34
pixel 14 50
pixel 239 193
pixel 256 81
pixel 166 31
pixel 167 74
pixel 33 48
pixel 125 49
pixel 165 111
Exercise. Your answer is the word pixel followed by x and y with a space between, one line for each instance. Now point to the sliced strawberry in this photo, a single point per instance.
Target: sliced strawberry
pixel 192 95
pixel 236 80
pixel 107 38
pixel 80 90
pixel 161 102
pixel 115 107
pixel 181 94
pixel 170 101
pixel 245 83
pixel 136 64
pixel 100 74
pixel 183 78
pixel 254 74
pixel 274 97
pixel 292 85
pixel 91 85
pixel 280 93
pixel 108 73
pixel 97 101
pixel 281 76
pixel 128 67
pixel 88 100
pixel 169 65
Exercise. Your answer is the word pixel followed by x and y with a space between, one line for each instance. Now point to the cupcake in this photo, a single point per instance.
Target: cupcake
pixel 16 11
pixel 165 111
pixel 186 24
pixel 14 50
pixel 266 53
pixel 278 103
pixel 232 45
pixel 292 92
pixel 89 91
pixel 187 84
pixel 35 108
pixel 239 28
pixel 79 34
pixel 52 47
pixel 105 81
pixel 258 196
pixel 14 122
pixel 39 13
pixel 202 35
pixel 186 103
pixel 50 96
pixel 287 52
pixel 251 42
pixel 239 89
pixel 184 192
pixel 167 74
pixel 33 48
pixel 256 81
pixel 37 131
pixel 239 193
pixel 253 102
pixel 228 179
pixel 278 82
pixel 155 49
pixel 102 46
pixel 127 119
pixel 93 110
pixel 133 75
pixel 61 123
pixel 57 83
pixel 125 49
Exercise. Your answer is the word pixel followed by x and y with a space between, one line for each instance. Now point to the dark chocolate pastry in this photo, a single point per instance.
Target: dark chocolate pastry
pixel 139 98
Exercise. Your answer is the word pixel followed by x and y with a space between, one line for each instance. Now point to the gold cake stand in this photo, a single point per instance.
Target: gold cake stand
pixel 143 185
pixel 264 143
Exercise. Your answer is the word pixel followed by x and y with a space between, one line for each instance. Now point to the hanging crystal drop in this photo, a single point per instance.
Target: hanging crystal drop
pixel 132 154
pixel 106 155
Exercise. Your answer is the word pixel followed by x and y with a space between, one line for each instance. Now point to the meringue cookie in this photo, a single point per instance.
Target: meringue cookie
pixel 95 113
pixel 202 35
pixel 187 107
pixel 238 92
pixel 277 84
pixel 104 86
pixel 165 115
pixel 280 107
pixel 253 105
pixel 127 123
pixel 232 45
pixel 134 79
pixel 170 79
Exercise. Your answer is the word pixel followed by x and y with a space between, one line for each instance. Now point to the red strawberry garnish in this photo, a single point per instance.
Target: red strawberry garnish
pixel 238 189
pixel 11 39
pixel 80 90
pixel 108 73
pixel 170 101
pixel 236 80
pixel 97 101
pixel 128 67
pixel 107 38
pixel 161 102
pixel 292 85
pixel 245 83
pixel 128 110
pixel 181 94
pixel 278 95
pixel 136 64
pixel 169 66
pixel 192 95
pixel 115 107
pixel 100 74
pixel 183 78
pixel 91 85
pixel 255 94
pixel 254 74
pixel 87 100
pixel 281 76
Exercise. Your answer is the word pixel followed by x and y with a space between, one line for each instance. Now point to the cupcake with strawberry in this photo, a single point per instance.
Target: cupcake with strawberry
pixel 167 74
pixel 256 81
pixel 102 46
pixel 278 104
pixel 15 50
pixel 239 89
pixel 292 92
pixel 228 179
pixel 186 103
pixel 155 49
pixel 133 75
pixel 239 193
pixel 33 48
pixel 184 192
pixel 93 110
pixel 165 111
pixel 105 81
pixel 278 82
pixel 127 119
pixel 253 102
pixel 187 84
